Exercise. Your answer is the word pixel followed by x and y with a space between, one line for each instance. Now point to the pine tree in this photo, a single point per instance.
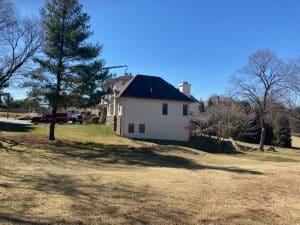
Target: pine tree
pixel 282 131
pixel 69 66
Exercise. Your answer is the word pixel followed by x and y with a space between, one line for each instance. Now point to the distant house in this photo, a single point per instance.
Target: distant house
pixel 148 107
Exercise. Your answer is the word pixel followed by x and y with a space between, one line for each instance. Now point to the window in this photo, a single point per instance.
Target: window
pixel 111 109
pixel 111 98
pixel 142 128
pixel 185 110
pixel 131 128
pixel 119 110
pixel 165 109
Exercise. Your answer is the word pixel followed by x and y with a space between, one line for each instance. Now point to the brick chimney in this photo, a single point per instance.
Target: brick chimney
pixel 185 88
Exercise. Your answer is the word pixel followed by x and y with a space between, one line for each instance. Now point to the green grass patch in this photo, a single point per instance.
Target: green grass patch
pixel 16 115
pixel 81 133
pixel 74 131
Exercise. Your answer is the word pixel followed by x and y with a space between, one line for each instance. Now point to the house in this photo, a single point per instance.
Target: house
pixel 194 107
pixel 111 85
pixel 148 107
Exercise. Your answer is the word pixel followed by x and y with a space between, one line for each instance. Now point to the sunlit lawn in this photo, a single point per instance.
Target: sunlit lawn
pixel 296 142
pixel 16 115
pixel 85 133
pixel 92 176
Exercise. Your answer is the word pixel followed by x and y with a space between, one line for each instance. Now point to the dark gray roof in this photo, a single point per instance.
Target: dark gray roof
pixel 194 99
pixel 112 81
pixel 151 87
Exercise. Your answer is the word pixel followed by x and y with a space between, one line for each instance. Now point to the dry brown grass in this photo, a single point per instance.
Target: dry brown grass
pixel 93 183
pixel 296 142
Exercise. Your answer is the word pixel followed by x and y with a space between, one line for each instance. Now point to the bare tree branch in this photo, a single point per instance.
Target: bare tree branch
pixel 20 40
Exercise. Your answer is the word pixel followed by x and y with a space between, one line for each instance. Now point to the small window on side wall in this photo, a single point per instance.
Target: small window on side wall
pixel 111 109
pixel 142 128
pixel 185 110
pixel 165 108
pixel 131 128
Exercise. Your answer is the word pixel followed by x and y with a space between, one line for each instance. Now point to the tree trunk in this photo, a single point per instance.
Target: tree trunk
pixel 262 138
pixel 52 125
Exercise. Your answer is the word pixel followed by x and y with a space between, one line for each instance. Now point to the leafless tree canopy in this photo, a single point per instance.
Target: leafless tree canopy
pixel 20 38
pixel 224 119
pixel 262 82
pixel 6 16
pixel 293 87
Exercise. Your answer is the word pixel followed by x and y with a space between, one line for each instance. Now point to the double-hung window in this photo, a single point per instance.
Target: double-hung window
pixel 131 128
pixel 185 110
pixel 141 128
pixel 165 108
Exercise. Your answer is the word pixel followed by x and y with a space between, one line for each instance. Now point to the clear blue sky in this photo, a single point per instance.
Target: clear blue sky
pixel 199 41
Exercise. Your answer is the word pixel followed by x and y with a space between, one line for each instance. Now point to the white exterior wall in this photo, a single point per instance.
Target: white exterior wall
pixel 173 126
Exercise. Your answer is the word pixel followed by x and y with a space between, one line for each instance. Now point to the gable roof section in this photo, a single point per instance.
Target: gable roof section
pixel 151 87
pixel 112 81
pixel 194 99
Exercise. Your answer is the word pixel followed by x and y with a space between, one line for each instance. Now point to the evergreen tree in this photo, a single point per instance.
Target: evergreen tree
pixel 270 136
pixel 69 66
pixel 282 131
pixel 201 106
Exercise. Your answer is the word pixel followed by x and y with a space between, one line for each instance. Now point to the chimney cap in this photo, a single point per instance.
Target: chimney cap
pixel 185 82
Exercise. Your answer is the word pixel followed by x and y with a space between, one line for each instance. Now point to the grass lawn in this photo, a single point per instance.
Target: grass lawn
pixel 105 179
pixel 296 142
pixel 16 115
pixel 83 133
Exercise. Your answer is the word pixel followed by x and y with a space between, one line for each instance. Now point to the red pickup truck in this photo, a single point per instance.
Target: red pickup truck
pixel 46 118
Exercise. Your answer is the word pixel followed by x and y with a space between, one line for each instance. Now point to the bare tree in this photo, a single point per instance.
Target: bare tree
pixel 293 87
pixel 226 119
pixel 20 39
pixel 262 82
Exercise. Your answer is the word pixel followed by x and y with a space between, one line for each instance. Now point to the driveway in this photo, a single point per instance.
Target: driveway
pixel 15 121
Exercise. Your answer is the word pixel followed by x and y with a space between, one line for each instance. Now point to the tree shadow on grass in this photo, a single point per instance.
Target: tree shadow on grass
pixel 295 148
pixel 203 143
pixel 93 198
pixel 11 127
pixel 123 155
pixel 21 219
pixel 92 202
pixel 142 156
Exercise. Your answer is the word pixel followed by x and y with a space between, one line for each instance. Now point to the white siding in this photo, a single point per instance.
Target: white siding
pixel 173 126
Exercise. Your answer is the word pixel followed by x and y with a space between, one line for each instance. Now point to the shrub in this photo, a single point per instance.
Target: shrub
pixel 282 131
pixel 95 119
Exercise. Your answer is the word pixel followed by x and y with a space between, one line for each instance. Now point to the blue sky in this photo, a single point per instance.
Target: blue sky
pixel 200 41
